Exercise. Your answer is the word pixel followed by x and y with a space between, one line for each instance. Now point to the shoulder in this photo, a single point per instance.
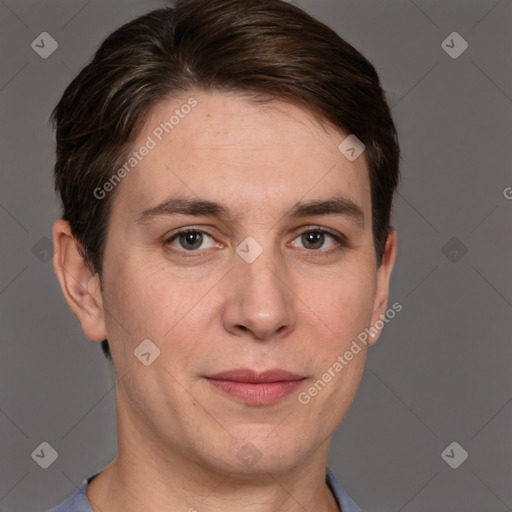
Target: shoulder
pixel 345 502
pixel 78 501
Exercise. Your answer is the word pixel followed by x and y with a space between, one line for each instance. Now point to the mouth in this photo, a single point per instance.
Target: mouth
pixel 254 388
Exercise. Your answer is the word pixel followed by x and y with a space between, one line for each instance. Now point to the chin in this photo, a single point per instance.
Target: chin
pixel 252 456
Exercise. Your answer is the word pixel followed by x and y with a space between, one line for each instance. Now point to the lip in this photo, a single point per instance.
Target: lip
pixel 248 375
pixel 255 388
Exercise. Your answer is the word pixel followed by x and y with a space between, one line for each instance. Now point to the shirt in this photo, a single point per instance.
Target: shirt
pixel 78 502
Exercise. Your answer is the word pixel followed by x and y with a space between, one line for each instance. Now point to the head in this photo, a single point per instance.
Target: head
pixel 241 107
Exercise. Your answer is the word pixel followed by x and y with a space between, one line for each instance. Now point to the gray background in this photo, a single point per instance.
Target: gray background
pixel 441 370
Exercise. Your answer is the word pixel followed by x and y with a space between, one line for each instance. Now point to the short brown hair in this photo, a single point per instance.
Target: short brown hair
pixel 267 47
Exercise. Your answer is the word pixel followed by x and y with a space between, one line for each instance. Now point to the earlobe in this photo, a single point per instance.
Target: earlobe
pixel 383 278
pixel 81 288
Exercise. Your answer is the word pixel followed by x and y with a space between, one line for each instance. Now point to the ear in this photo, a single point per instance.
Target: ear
pixel 383 277
pixel 80 287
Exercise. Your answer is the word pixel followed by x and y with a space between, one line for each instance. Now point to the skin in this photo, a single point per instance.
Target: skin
pixel 297 307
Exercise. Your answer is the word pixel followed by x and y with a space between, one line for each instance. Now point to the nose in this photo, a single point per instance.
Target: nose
pixel 259 300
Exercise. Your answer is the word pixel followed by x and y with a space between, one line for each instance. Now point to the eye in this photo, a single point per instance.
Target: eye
pixel 315 239
pixel 191 240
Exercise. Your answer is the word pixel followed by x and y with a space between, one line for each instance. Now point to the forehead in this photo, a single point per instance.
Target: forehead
pixel 223 146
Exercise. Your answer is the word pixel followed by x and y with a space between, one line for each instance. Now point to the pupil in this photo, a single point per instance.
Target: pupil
pixel 192 239
pixel 315 239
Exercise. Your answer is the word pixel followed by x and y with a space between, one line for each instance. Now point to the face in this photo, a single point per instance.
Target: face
pixel 262 259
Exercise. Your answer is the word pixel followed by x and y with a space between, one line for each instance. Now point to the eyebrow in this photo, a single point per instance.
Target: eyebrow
pixel 333 206
pixel 196 206
pixel 184 206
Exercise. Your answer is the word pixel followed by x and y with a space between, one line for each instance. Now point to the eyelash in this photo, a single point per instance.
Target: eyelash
pixel 340 239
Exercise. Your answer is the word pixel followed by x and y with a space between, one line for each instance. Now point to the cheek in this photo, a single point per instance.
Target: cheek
pixel 345 305
pixel 134 309
pixel 152 304
pixel 132 296
pixel 343 302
